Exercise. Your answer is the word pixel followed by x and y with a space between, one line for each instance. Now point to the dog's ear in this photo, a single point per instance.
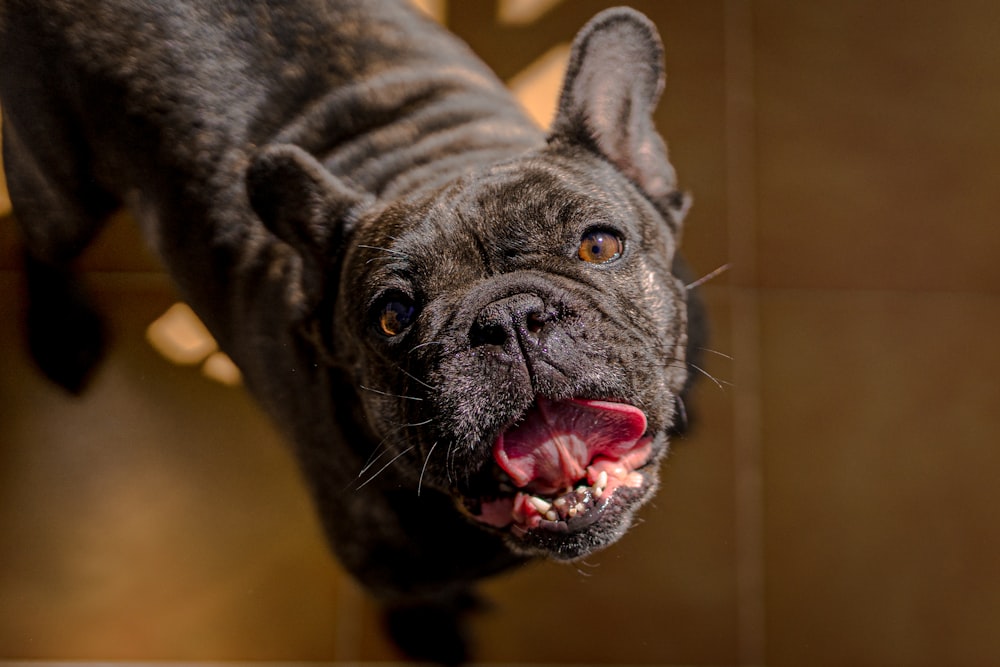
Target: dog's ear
pixel 613 82
pixel 300 202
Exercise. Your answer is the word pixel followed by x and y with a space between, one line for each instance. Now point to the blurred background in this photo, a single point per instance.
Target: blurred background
pixel 837 502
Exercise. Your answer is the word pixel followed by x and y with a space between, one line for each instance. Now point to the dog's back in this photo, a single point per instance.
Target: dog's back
pixel 161 105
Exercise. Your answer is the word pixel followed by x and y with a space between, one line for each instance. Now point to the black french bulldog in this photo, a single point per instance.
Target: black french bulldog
pixel 469 330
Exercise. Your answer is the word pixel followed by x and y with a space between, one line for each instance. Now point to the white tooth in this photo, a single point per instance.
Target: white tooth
pixel 580 509
pixel 598 492
pixel 539 504
pixel 602 479
pixel 573 511
pixel 551 515
pixel 560 502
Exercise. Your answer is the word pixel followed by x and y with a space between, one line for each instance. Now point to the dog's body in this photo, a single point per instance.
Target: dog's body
pixel 413 278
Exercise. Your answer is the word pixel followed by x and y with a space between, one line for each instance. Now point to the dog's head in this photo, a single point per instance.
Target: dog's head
pixel 516 337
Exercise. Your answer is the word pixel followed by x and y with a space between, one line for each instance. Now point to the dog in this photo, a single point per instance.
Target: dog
pixel 472 332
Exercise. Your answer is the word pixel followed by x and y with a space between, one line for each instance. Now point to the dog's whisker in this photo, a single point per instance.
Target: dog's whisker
pixel 373 459
pixel 427 460
pixel 709 276
pixel 415 378
pixel 719 383
pixel 382 469
pixel 377 453
pixel 716 352
pixel 449 463
pixel 390 395
pixel 425 344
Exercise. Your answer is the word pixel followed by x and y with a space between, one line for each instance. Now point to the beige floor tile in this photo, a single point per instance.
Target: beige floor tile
pixel 881 423
pixel 157 517
pixel 877 142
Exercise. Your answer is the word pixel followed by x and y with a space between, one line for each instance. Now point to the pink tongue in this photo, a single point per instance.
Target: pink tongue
pixel 551 449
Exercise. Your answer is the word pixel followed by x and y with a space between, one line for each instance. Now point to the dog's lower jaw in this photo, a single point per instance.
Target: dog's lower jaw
pixel 573 524
pixel 564 540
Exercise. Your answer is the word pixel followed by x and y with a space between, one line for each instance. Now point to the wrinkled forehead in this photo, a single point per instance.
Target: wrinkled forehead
pixel 527 199
pixel 540 190
pixel 535 206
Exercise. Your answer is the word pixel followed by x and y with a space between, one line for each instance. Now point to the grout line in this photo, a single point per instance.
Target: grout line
pixel 741 210
pixel 748 483
pixel 740 135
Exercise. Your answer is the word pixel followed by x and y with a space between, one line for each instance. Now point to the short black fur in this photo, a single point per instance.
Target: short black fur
pixel 297 163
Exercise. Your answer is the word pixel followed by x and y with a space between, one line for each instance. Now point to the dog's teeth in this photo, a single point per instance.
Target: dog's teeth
pixel 560 503
pixel 573 511
pixel 600 484
pixel 539 504
pixel 552 515
pixel 579 507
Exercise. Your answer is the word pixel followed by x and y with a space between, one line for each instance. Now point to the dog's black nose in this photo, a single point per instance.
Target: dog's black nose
pixel 516 318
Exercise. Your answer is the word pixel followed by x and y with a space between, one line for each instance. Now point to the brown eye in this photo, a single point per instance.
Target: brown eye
pixel 396 315
pixel 599 246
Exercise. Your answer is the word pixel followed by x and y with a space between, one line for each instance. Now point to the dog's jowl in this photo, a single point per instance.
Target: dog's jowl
pixel 468 328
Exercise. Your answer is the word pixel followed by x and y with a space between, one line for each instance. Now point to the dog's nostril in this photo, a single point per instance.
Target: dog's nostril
pixel 535 321
pixel 488 333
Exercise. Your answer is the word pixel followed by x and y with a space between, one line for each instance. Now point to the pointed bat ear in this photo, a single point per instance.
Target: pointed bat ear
pixel 613 82
pixel 299 201
pixel 305 206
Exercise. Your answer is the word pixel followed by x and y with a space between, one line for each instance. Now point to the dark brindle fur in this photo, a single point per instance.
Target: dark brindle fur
pixel 412 277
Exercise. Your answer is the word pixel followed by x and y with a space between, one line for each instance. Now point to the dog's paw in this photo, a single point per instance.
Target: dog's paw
pixel 432 631
pixel 66 335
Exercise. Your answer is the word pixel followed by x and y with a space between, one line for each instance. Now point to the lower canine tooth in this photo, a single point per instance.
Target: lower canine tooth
pixel 602 479
pixel 551 515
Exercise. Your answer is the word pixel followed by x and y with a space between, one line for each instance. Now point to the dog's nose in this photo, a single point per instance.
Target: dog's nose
pixel 520 317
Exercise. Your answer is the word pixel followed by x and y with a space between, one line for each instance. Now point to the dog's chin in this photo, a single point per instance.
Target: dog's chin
pixel 566 478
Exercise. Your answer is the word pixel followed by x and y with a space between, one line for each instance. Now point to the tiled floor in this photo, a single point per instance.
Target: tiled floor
pixel 835 505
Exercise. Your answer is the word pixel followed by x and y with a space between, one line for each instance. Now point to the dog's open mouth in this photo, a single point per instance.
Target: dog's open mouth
pixel 559 469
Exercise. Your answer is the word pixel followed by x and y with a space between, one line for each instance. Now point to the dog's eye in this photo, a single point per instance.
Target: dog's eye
pixel 599 246
pixel 395 315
